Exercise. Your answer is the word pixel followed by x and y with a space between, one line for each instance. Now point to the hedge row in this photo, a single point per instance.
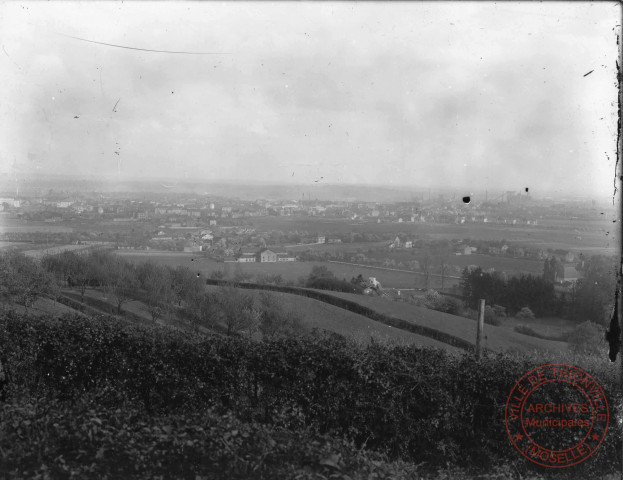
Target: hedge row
pixel 414 404
pixel 47 439
pixel 355 308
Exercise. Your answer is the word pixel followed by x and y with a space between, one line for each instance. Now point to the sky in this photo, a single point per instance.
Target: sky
pixel 460 95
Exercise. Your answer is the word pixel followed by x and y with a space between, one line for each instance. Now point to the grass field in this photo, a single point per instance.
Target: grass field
pixel 495 338
pixel 500 263
pixel 337 247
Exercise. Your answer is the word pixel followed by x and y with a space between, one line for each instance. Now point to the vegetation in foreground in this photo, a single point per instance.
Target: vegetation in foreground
pixel 96 397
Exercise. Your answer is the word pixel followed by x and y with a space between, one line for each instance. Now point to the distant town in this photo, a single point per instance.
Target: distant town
pixel 374 234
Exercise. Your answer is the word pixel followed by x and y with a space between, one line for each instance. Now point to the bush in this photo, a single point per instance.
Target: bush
pixel 525 313
pixel 435 301
pixel 586 339
pixel 490 316
pixel 155 400
pixel 525 330
pixel 500 311
pixel 84 441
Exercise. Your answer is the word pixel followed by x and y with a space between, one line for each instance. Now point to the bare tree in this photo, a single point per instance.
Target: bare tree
pixel 237 311
pixel 23 280
pixel 426 261
pixel 157 284
pixel 275 321
pixel 121 281
pixel 186 286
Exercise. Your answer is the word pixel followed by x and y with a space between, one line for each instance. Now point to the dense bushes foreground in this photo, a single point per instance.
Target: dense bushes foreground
pixel 95 395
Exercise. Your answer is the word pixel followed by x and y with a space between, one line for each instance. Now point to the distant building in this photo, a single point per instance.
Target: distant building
pixel 284 257
pixel 268 256
pixel 569 274
pixel 247 257
pixel 321 239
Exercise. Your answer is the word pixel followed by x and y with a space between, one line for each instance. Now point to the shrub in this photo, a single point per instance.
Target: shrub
pixel 499 310
pixel 435 301
pixel 154 398
pixel 525 313
pixel 586 339
pixel 490 316
pixel 525 330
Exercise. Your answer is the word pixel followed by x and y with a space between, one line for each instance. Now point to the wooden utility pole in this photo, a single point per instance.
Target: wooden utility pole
pixel 481 322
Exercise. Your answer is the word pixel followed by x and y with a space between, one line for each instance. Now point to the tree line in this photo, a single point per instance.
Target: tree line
pixel 589 298
pixel 164 292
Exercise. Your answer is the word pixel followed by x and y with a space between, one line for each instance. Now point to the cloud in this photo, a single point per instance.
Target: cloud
pixel 399 92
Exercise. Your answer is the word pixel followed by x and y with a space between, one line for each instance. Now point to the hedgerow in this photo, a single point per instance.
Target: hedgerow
pixel 416 405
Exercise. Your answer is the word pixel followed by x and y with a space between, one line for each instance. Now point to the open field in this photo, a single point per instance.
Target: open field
pixel 13 226
pixel 596 236
pixel 337 247
pixel 15 245
pixel 495 338
pixel 290 271
pixel 316 314
pixel 500 263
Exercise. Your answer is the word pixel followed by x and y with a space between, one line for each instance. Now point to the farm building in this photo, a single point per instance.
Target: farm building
pixel 284 257
pixel 268 256
pixel 247 257
pixel 569 274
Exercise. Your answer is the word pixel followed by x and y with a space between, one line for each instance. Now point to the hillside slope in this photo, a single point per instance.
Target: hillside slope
pixel 495 338
pixel 317 314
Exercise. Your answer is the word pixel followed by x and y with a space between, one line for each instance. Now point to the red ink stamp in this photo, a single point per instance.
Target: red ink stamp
pixel 557 415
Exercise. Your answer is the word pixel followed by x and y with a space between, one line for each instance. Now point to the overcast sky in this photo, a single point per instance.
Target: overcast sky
pixel 470 95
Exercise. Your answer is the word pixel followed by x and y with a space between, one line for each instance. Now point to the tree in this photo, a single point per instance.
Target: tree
pixel 552 269
pixel 239 274
pixel 322 278
pixel 275 321
pixel 237 311
pixel 441 255
pixel 157 285
pixel 525 313
pixel 186 286
pixel 22 279
pixel 121 281
pixel 595 291
pixel 426 261
pixel 320 272
pixel 586 339
pixel 476 284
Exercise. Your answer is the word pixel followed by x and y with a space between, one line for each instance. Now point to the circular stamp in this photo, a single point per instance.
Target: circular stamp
pixel 557 415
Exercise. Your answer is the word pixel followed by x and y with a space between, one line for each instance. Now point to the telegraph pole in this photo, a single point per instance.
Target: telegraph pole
pixel 481 322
